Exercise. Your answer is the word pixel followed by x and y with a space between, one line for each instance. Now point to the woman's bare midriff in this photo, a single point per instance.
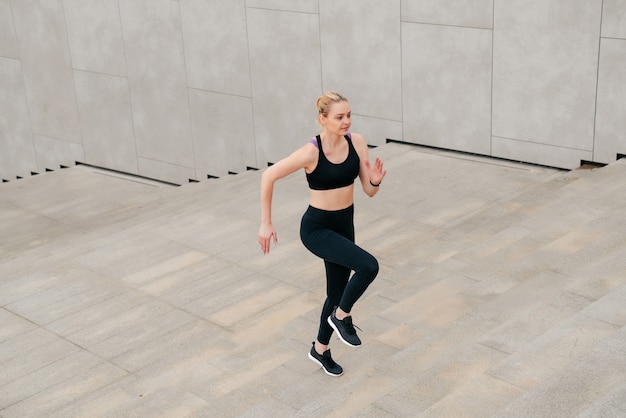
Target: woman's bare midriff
pixel 334 199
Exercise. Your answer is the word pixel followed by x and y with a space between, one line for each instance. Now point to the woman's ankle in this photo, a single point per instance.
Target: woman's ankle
pixel 340 314
pixel 320 348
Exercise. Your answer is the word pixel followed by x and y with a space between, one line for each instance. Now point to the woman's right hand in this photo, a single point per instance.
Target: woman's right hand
pixel 267 233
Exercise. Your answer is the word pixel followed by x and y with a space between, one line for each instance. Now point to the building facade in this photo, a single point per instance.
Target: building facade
pixel 179 90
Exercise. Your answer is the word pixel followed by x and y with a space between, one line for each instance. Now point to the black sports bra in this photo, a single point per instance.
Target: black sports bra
pixel 328 175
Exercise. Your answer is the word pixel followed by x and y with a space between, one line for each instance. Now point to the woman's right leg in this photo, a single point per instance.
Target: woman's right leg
pixel 316 233
pixel 336 280
pixel 330 236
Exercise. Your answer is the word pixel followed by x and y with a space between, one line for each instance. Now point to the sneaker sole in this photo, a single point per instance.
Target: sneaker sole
pixel 330 322
pixel 322 366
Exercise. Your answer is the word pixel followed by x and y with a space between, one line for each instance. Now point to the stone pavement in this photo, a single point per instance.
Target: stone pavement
pixel 501 293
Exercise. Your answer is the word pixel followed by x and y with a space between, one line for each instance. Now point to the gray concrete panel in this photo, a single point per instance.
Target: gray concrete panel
pixel 549 155
pixel 158 86
pixel 106 120
pixel 545 58
pixel 467 13
pixel 216 46
pixel 361 56
pixel 47 68
pixel 376 131
pixel 610 132
pixel 17 154
pixel 94 30
pixel 614 19
pixel 8 41
pixel 173 173
pixel 52 153
pixel 446 78
pixel 286 80
pixel 223 133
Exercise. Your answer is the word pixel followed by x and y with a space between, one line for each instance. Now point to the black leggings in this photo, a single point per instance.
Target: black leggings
pixel 330 236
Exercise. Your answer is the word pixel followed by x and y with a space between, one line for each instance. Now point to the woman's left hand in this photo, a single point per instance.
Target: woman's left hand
pixel 375 172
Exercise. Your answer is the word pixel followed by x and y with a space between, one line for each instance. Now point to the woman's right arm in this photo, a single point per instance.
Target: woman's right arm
pixel 301 158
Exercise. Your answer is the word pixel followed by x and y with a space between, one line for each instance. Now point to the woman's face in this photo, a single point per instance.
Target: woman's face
pixel 339 119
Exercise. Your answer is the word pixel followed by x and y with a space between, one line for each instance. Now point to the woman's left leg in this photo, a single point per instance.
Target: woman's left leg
pixel 336 280
pixel 330 236
pixel 341 256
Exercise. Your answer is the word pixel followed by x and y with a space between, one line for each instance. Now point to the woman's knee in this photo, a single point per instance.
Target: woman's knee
pixel 370 268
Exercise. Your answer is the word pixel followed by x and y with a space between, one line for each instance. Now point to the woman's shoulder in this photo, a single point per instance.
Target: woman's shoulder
pixel 308 151
pixel 357 139
pixel 302 157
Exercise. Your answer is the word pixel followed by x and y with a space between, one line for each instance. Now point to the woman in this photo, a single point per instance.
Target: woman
pixel 331 161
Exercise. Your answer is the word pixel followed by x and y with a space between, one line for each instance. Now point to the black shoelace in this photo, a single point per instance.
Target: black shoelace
pixel 350 327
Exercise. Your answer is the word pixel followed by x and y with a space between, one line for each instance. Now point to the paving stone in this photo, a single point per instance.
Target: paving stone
pixel 481 396
pixel 13 325
pixel 48 401
pixel 110 400
pixel 250 307
pixel 533 322
pixel 243 286
pixel 31 359
pixel 275 322
pixel 559 348
pixel 255 396
pixel 125 322
pixel 31 339
pixel 139 333
pixel 33 305
pixel 269 407
pixel 436 305
pixel 46 377
pixel 612 405
pixel 97 290
pixel 189 281
pixel 88 318
pixel 31 280
pixel 198 338
pixel 500 294
pixel 609 308
pixel 574 389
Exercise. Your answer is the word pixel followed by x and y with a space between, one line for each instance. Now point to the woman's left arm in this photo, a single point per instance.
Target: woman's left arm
pixel 370 175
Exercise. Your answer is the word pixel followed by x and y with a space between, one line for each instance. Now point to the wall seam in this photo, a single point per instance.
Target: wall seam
pixel 401 23
pixel 595 109
pixel 529 141
pixel 443 24
pixel 613 37
pixel 69 52
pixel 319 31
pixel 283 10
pixel 254 138
pixel 191 128
pixel 493 43
pixel 130 96
pixel 25 91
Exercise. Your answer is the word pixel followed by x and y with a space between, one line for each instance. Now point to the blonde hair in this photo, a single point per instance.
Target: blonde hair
pixel 326 100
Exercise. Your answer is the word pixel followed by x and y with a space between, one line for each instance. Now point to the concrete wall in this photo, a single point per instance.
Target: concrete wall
pixel 182 89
